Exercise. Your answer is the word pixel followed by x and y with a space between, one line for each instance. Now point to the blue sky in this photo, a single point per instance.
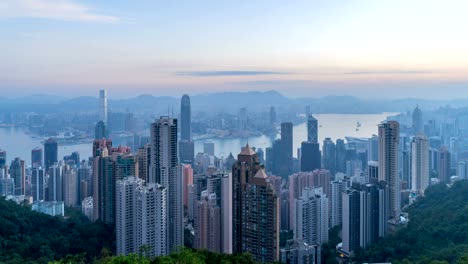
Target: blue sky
pixel 393 48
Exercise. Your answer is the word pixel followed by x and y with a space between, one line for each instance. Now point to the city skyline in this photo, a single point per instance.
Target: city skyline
pixel 307 49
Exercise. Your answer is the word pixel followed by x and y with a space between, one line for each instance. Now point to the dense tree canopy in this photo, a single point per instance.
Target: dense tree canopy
pixel 31 237
pixel 437 230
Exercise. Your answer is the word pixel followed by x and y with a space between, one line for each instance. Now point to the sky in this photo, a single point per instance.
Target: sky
pixel 365 48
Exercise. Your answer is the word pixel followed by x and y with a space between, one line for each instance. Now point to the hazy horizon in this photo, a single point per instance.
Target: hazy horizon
pixel 363 48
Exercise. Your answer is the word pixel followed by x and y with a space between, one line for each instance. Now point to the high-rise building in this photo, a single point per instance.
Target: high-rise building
pixel 462 170
pixel 73 159
pixel 36 157
pixel 310 156
pixel 255 209
pixel 389 136
pixel 38 182
pixel 100 130
pixel 340 156
pixel 70 187
pixel 208 223
pixel 144 157
pixel 364 217
pixel 272 115
pixel 418 123
pixel 286 150
pixel 185 118
pixel 103 106
pixel 373 148
pixel 209 148
pixel 55 183
pixel 444 165
pixel 103 182
pixel 311 216
pixel 126 165
pixel 351 214
pixel 167 172
pixel 18 174
pixel 2 158
pixel 299 181
pixel 337 187
pixel 50 153
pixel 372 172
pixel 312 129
pixel 186 145
pixel 329 155
pixel 187 173
pixel 186 151
pixel 140 217
pixel 419 164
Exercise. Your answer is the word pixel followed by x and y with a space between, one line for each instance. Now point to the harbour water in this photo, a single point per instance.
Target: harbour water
pixel 18 143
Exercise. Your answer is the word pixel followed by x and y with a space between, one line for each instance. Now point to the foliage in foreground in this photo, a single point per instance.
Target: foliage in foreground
pixel 185 256
pixel 437 231
pixel 31 237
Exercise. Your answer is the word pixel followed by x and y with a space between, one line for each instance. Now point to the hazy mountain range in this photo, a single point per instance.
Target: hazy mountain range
pixel 226 101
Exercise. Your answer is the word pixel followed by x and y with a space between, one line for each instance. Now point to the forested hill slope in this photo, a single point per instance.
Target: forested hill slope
pixel 31 237
pixel 438 230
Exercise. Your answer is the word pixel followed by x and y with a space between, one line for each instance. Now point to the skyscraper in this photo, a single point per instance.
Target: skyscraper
pixel 312 129
pixel 272 115
pixel 341 156
pixel 186 145
pixel 255 215
pixel 36 157
pixel 100 130
pixel 419 164
pixel 2 158
pixel 364 218
pixel 299 181
pixel 285 163
pixel 208 223
pixel 18 174
pixel 337 187
pixel 310 156
pixel 209 148
pixel 70 187
pixel 418 124
pixel 329 155
pixel 55 183
pixel 140 217
pixel 389 136
pixel 103 106
pixel 311 215
pixel 188 180
pixel 373 148
pixel 50 153
pixel 186 118
pixel 444 165
pixel 144 157
pixel 38 182
pixel 167 172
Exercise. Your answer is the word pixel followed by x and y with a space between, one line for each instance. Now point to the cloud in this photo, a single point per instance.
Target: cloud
pixel 388 72
pixel 228 73
pixel 52 9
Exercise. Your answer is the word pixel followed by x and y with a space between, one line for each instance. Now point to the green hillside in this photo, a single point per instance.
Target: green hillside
pixel 30 237
pixel 437 231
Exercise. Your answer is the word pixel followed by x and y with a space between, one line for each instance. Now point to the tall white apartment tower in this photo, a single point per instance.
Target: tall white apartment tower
pixel 311 215
pixel 389 137
pixel 126 217
pixel 140 217
pixel 419 164
pixel 167 172
pixel 103 105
